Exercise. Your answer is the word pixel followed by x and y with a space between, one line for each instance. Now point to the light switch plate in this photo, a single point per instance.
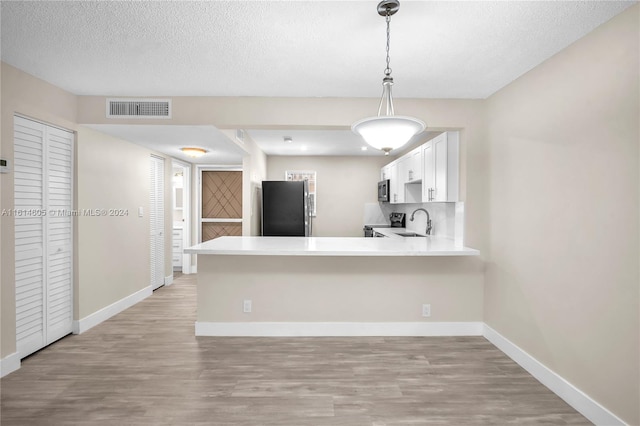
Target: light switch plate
pixel 4 165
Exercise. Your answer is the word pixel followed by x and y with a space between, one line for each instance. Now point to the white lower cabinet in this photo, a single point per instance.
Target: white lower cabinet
pixel 176 249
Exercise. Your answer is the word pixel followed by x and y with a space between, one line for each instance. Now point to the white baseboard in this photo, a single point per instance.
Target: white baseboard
pixel 107 312
pixel 168 280
pixel 294 329
pixel 9 364
pixel 573 396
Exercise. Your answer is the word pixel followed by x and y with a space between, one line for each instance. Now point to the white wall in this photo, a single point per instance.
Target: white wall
pixel 562 279
pixel 113 253
pixel 344 185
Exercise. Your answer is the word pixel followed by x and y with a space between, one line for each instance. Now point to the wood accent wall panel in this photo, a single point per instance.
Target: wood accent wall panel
pixel 222 195
pixel 211 230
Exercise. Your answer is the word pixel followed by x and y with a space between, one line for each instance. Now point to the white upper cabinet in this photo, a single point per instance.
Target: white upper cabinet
pixel 385 172
pixel 396 187
pixel 413 166
pixel 428 181
pixel 440 164
pixel 428 173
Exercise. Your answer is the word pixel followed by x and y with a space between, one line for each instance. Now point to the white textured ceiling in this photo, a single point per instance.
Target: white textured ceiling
pixel 289 48
pixel 168 139
pixel 439 49
pixel 315 142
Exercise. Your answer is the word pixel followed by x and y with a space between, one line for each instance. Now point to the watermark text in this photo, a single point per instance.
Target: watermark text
pixel 64 212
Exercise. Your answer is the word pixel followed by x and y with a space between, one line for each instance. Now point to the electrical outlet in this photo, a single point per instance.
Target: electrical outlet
pixel 246 306
pixel 426 310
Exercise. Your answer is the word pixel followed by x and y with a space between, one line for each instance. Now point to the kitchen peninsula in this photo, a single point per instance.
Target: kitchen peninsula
pixel 297 286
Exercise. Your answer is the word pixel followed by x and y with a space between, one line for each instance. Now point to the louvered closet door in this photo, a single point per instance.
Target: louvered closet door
pixel 28 166
pixel 156 217
pixel 59 233
pixel 43 234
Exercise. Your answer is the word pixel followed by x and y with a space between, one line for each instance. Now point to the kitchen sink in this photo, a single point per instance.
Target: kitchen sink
pixel 409 234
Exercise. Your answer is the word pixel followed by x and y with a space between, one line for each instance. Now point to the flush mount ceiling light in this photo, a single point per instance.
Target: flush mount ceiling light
pixel 194 152
pixel 387 131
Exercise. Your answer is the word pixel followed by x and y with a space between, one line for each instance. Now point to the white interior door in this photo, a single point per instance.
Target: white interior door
pixel 156 217
pixel 43 181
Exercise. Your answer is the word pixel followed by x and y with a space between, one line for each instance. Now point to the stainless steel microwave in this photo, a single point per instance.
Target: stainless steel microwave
pixel 383 190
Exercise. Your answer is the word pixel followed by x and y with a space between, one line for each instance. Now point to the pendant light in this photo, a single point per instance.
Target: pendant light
pixel 387 131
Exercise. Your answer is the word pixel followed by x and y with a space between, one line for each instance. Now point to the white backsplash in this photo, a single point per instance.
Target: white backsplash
pixel 447 219
pixel 373 215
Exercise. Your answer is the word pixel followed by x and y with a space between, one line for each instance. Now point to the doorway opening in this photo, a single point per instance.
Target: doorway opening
pixel 181 215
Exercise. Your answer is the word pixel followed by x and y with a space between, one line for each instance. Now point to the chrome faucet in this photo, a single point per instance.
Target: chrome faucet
pixel 428 219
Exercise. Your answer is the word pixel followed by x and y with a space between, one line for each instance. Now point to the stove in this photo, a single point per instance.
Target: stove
pixel 397 220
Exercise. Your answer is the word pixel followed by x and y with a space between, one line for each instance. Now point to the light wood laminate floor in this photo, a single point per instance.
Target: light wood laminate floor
pixel 146 367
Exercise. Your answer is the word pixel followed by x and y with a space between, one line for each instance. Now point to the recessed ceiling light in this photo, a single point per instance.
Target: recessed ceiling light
pixel 194 152
pixel 288 139
pixel 303 148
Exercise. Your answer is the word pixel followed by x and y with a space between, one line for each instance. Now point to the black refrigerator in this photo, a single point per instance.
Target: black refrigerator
pixel 286 209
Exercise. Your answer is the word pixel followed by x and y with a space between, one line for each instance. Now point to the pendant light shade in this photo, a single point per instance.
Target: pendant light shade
pixel 387 131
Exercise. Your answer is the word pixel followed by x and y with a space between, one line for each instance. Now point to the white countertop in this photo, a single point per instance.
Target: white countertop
pixel 332 246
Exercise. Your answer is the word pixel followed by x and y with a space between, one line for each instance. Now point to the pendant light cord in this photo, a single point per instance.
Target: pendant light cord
pixel 387 70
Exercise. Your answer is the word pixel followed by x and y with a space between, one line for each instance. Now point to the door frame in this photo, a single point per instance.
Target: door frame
pixel 186 211
pixel 208 168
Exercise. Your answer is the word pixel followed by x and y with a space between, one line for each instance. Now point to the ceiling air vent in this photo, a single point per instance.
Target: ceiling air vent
pixel 138 108
pixel 240 135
